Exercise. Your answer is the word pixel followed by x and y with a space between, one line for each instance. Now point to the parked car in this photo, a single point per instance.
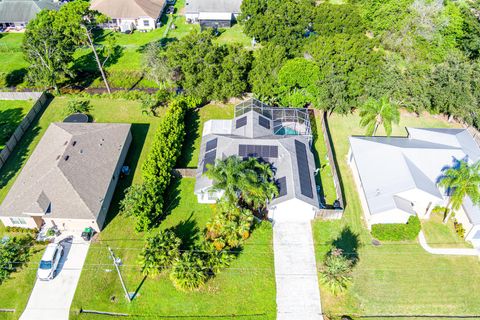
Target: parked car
pixel 50 260
pixel 170 10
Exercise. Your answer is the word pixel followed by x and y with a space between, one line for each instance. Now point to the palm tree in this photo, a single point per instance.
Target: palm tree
pixel 460 180
pixel 375 113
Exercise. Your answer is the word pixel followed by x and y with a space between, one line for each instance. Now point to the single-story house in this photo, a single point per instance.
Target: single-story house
pixel 130 14
pixel 212 13
pixel 280 136
pixel 17 13
pixel 69 179
pixel 397 177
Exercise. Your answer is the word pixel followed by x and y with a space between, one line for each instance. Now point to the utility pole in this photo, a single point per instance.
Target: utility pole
pixel 115 262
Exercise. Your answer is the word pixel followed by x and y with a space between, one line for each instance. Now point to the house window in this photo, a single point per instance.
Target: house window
pixel 146 23
pixel 18 221
pixel 212 195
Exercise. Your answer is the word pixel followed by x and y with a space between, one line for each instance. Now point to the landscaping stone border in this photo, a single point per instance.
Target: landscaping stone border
pixel 40 99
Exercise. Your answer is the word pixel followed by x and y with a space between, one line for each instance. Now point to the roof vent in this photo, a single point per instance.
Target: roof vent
pixel 377 192
pixel 65 143
pixel 58 157
pixel 67 157
pixel 74 143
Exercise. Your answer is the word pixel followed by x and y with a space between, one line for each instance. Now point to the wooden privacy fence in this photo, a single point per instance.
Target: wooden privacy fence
pixel 40 99
pixel 329 213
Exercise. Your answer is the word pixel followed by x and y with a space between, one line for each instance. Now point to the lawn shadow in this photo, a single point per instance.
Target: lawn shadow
pixel 348 242
pixel 318 177
pixel 9 121
pixel 20 153
pixel 188 231
pixel 139 133
pixel 192 120
pixel 139 287
pixel 15 77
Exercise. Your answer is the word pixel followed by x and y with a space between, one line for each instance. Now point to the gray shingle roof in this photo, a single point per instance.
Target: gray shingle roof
pixel 390 166
pixel 229 139
pixel 197 6
pixel 23 10
pixel 70 170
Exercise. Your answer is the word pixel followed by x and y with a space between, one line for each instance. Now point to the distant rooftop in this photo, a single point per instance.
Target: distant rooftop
pixel 24 10
pixel 221 6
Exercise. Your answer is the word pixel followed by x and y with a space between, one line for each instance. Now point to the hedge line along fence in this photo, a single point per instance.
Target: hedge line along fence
pixel 40 99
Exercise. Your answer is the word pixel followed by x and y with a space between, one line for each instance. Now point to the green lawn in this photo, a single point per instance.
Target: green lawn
pixel 12 113
pixel 234 35
pixel 12 64
pixel 195 121
pixel 247 288
pixel 441 235
pixel 394 278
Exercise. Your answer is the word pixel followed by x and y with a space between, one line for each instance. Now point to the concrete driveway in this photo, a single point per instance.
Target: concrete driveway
pixel 52 299
pixel 298 295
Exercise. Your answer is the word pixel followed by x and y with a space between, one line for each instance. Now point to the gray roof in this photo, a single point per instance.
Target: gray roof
pixel 197 6
pixel 24 10
pixel 69 171
pixel 388 166
pixel 231 139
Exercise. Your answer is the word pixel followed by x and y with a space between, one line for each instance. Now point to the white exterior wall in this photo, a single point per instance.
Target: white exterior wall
pixel 139 24
pixel 206 196
pixel 292 210
pixel 192 17
pixel 470 234
pixel 390 216
pixel 462 218
pixel 360 192
pixel 423 202
pixel 30 222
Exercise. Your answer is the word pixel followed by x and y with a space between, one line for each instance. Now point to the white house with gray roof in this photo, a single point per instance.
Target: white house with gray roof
pixel 280 136
pixel 17 13
pixel 69 179
pixel 212 13
pixel 397 176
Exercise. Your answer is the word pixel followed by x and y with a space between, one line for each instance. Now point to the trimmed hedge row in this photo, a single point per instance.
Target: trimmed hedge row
pixel 397 231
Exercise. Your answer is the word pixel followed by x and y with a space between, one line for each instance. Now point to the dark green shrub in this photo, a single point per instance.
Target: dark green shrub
pixel 397 231
pixel 79 106
pixel 14 252
pixel 160 251
pixel 189 272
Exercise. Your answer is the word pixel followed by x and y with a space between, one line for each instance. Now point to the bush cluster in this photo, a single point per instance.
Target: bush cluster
pixel 21 230
pixel 459 229
pixel 145 201
pixel 397 231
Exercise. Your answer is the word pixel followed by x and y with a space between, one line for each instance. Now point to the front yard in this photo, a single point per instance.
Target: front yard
pixel 397 278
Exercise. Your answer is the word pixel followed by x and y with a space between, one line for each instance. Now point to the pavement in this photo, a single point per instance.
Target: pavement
pixel 298 295
pixel 52 299
pixel 446 251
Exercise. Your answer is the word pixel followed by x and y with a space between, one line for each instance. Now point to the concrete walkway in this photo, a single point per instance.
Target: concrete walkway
pixel 52 299
pixel 446 251
pixel 298 295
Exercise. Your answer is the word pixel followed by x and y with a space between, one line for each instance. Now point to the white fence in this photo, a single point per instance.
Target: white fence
pixel 40 99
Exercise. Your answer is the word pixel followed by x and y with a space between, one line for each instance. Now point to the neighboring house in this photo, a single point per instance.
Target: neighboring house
pixel 69 179
pixel 398 177
pixel 17 13
pixel 280 136
pixel 212 13
pixel 130 14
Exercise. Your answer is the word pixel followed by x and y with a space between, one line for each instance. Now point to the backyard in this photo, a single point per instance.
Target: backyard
pixel 395 278
pixel 12 113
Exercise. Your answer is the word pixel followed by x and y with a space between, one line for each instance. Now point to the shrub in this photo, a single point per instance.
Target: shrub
pixel 79 106
pixel 336 271
pixel 14 252
pixel 189 272
pixel 459 229
pixel 397 231
pixel 160 251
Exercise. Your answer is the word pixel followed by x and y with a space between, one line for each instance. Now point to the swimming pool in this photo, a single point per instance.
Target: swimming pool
pixel 286 131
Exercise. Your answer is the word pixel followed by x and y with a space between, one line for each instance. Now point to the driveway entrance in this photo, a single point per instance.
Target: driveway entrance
pixel 298 295
pixel 52 299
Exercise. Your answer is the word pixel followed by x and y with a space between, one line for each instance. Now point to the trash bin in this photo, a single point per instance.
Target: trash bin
pixel 87 234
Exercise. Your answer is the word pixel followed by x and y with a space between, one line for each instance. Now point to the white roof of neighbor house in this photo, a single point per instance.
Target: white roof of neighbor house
pixel 69 171
pixel 227 16
pixel 290 155
pixel 222 6
pixel 388 166
pixel 129 9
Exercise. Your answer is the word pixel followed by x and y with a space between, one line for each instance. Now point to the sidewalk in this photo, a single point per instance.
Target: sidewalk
pixel 446 251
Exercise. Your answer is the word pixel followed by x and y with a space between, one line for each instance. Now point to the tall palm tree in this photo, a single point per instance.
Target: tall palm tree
pixel 375 113
pixel 460 181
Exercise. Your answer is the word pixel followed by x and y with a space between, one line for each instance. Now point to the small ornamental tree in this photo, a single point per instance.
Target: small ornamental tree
pixel 336 271
pixel 14 252
pixel 79 106
pixel 189 272
pixel 160 251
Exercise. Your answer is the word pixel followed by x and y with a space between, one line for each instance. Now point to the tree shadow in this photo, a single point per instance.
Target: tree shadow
pixel 188 231
pixel 15 77
pixel 139 133
pixel 348 242
pixel 191 134
pixel 21 152
pixel 9 121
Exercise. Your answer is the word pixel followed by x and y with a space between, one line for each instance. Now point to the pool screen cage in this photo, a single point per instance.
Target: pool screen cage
pixel 286 121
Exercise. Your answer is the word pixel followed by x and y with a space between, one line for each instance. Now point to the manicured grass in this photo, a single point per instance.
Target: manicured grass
pixel 12 63
pixel 246 288
pixel 235 35
pixel 12 113
pixel 195 122
pixel 441 235
pixel 395 278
